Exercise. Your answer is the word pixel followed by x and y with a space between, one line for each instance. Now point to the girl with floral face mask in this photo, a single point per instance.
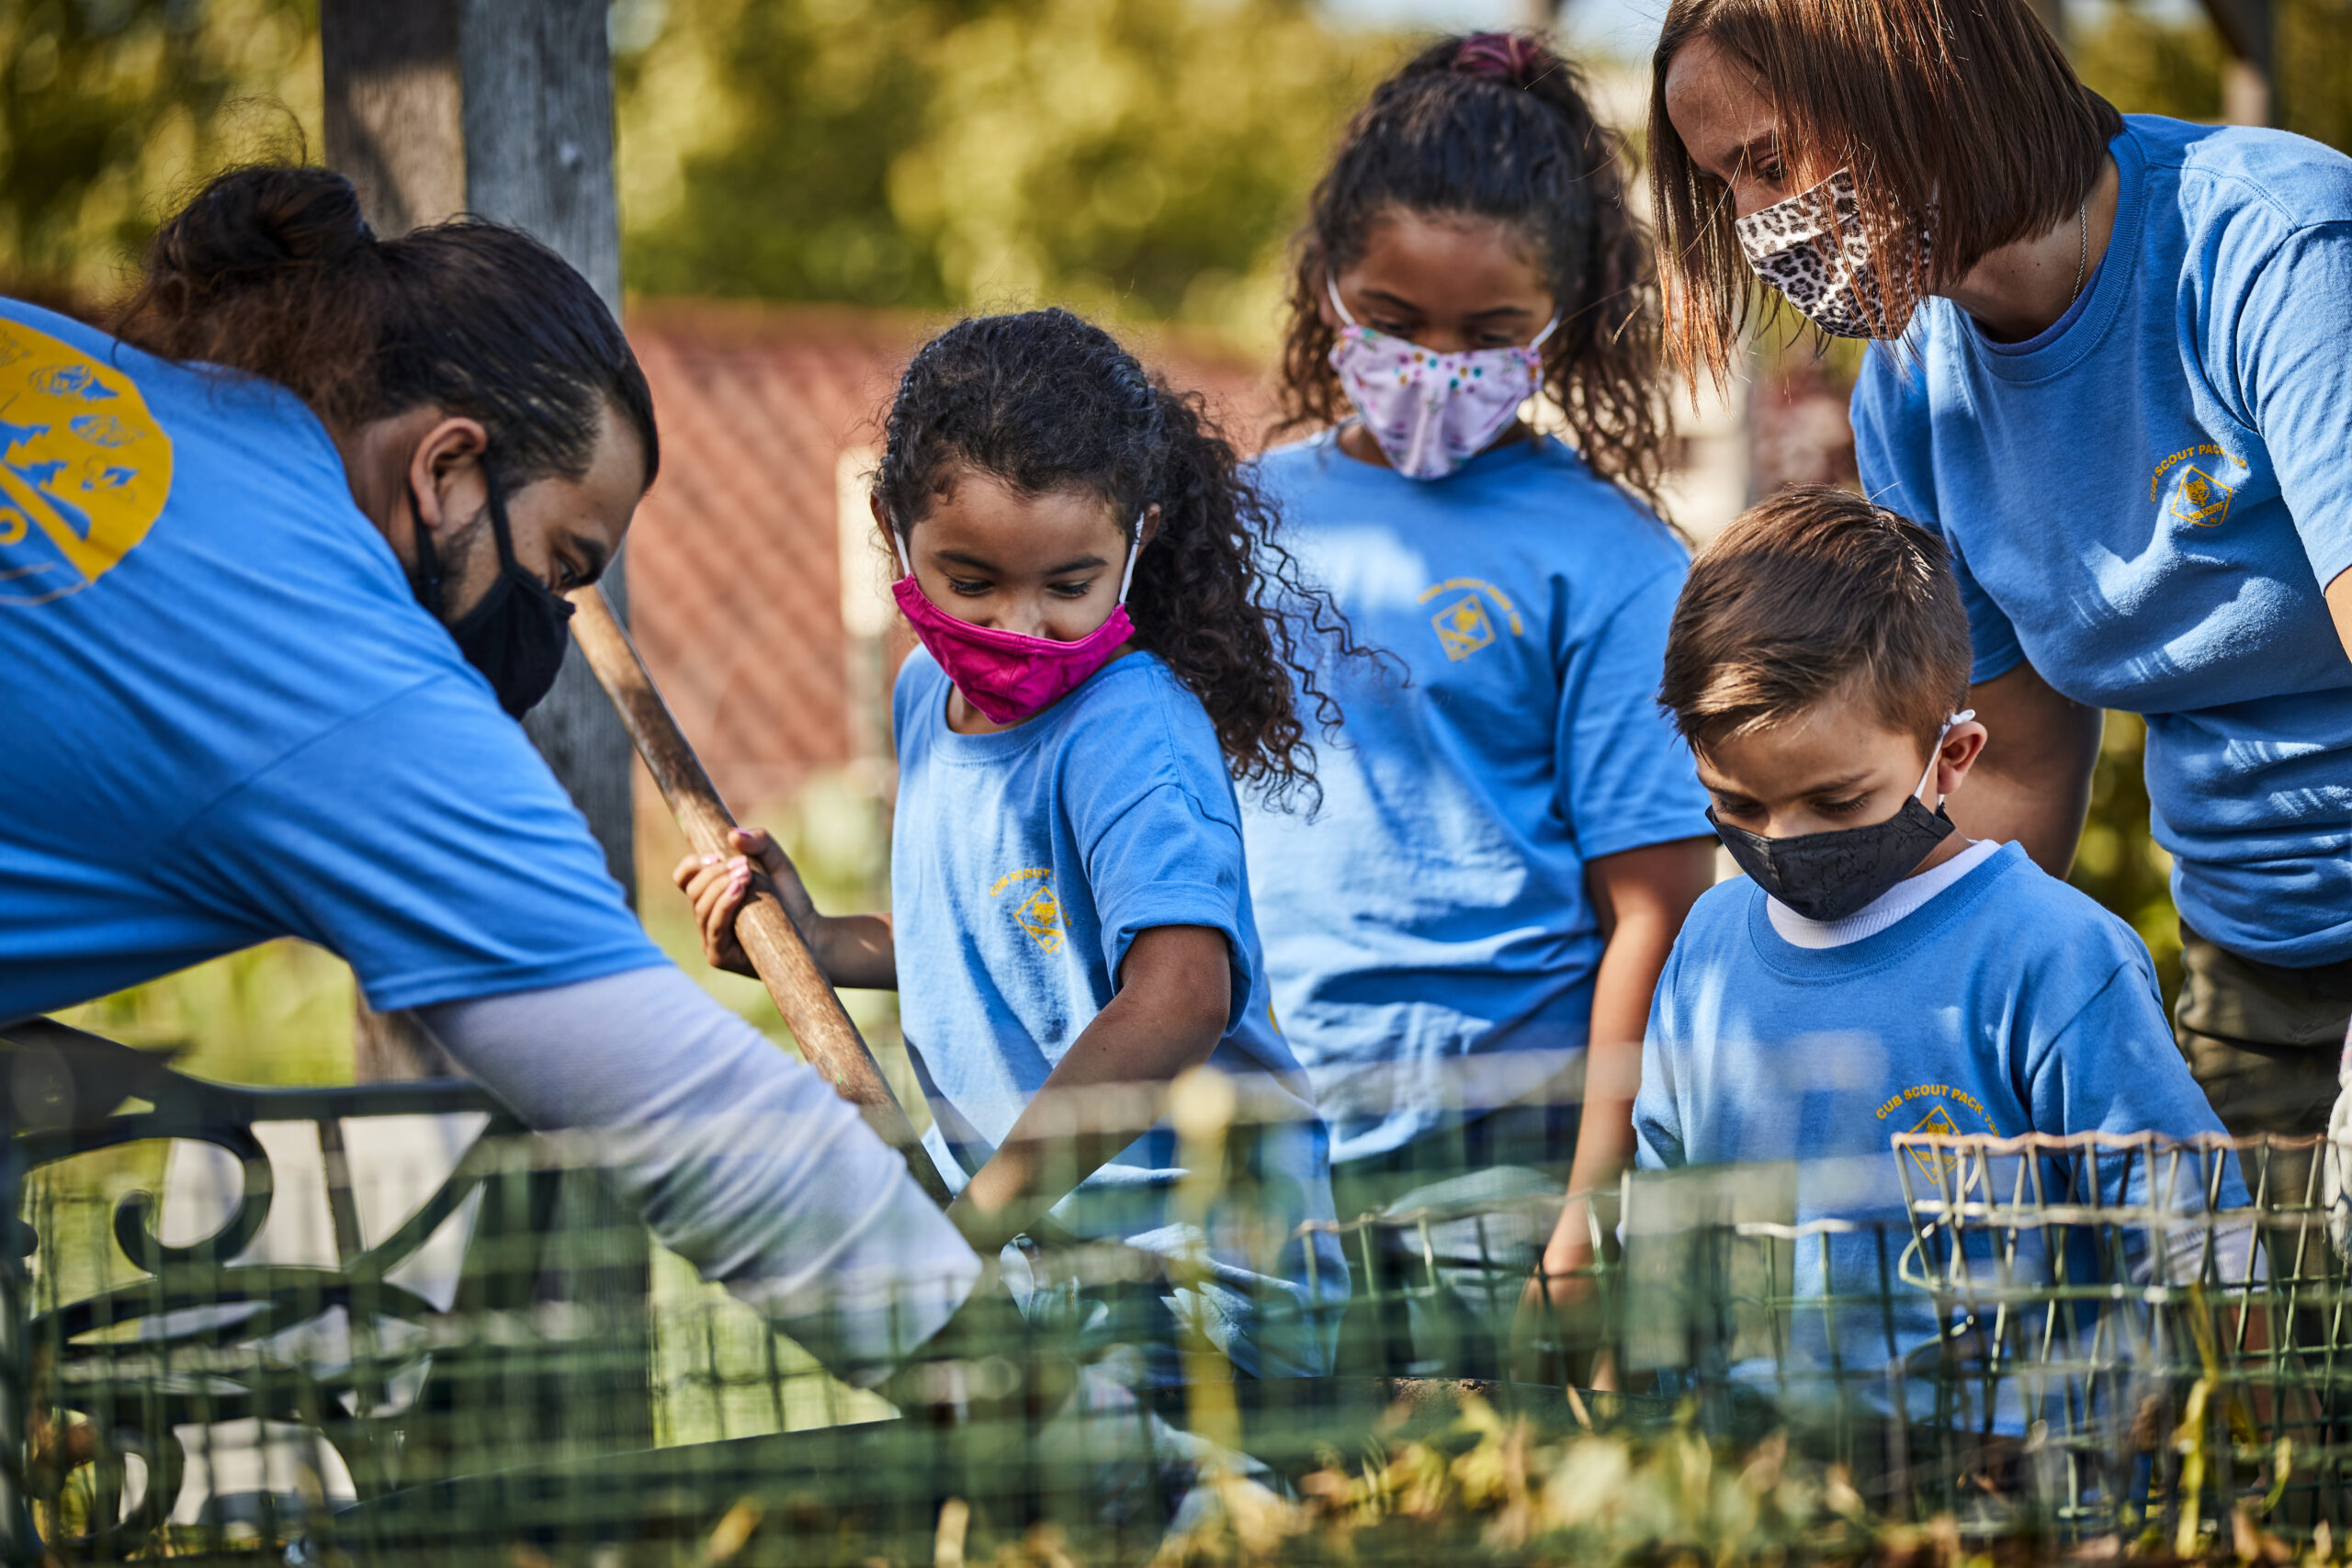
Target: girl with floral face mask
pixel 1511 832
pixel 1092 581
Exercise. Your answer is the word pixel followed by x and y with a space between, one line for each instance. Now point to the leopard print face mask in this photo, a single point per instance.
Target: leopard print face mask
pixel 1815 249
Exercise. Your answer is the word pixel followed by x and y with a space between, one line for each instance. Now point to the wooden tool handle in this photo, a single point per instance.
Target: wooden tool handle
pixel 769 939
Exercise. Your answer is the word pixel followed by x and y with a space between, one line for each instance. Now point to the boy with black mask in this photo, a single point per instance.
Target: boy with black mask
pixel 1876 973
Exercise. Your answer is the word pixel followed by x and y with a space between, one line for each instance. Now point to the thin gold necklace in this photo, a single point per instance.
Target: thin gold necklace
pixel 2083 255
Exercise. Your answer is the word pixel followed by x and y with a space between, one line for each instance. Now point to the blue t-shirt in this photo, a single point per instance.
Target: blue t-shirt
pixel 2147 501
pixel 226 718
pixel 2008 1003
pixel 1023 863
pixel 1435 909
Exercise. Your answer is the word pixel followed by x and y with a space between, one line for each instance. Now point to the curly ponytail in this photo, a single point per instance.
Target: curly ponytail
pixel 272 271
pixel 1045 401
pixel 1495 125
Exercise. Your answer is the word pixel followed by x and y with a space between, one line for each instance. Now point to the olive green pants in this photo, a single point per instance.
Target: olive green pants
pixel 2264 1043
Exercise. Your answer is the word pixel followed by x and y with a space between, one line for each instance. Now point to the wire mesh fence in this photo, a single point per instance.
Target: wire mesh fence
pixel 387 1324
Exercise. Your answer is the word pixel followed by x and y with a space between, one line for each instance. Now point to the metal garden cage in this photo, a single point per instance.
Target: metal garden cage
pixel 385 1323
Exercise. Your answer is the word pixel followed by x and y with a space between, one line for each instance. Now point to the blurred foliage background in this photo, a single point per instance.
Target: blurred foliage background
pixel 1143 160
pixel 1131 158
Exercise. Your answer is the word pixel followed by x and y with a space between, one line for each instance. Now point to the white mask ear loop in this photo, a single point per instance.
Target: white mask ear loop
pixel 1332 287
pixel 1135 549
pixel 1936 753
pixel 898 551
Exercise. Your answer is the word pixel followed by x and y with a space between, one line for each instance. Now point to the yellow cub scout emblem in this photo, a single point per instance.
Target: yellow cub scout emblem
pixel 1936 1163
pixel 1463 625
pixel 1037 911
pixel 1940 1122
pixel 85 469
pixel 2201 499
pixel 2197 484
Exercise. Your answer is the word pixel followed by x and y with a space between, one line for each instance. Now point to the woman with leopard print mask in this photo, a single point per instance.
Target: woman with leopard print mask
pixel 2114 379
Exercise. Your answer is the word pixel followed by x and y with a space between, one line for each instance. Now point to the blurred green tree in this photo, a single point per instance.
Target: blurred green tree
pixel 107 108
pixel 2314 47
pixel 2152 64
pixel 2143 66
pixel 1138 158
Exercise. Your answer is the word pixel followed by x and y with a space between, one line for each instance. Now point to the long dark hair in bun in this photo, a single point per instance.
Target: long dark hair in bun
pixel 272 271
pixel 1493 125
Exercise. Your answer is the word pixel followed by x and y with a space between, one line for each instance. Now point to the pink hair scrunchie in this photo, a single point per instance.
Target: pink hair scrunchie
pixel 1513 59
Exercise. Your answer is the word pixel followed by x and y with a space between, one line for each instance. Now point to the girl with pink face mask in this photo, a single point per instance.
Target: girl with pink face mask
pixel 1511 839
pixel 1107 633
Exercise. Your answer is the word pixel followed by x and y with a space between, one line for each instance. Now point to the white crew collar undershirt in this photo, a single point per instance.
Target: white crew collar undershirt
pixel 1889 907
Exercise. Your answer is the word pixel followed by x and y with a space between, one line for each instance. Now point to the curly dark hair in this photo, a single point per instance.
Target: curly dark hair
pixel 1495 125
pixel 1045 401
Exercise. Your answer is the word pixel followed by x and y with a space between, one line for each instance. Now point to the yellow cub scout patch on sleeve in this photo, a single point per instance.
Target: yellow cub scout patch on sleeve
pixel 85 469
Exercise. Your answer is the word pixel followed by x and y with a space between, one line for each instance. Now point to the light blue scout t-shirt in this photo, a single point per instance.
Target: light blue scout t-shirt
pixel 1023 865
pixel 227 720
pixel 2008 1003
pixel 1432 917
pixel 2147 500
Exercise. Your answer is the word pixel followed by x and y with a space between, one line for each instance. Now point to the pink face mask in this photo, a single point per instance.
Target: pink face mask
pixel 1432 413
pixel 1009 675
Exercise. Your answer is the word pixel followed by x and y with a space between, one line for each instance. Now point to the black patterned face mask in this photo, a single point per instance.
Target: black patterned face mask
pixel 1829 876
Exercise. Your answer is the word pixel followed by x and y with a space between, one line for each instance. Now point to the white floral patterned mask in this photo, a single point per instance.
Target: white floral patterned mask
pixel 1432 413
pixel 1815 248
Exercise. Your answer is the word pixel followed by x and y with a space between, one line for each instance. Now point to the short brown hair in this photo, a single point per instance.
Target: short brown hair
pixel 1968 105
pixel 1806 592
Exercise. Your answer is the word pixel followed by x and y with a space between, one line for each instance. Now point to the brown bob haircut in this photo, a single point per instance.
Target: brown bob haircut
pixel 1969 107
pixel 1808 592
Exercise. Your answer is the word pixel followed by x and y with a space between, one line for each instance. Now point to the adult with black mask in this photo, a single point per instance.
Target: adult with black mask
pixel 273 559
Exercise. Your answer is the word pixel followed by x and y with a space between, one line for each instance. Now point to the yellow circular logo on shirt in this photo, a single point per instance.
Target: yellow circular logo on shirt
pixel 85 469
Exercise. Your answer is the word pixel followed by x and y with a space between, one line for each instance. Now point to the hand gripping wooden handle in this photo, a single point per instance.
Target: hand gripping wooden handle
pixel 802 994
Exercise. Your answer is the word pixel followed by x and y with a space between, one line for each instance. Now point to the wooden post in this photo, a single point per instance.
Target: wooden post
pixel 538 133
pixel 2247 30
pixel 504 108
pixel 391 107
pixel 392 124
pixel 408 89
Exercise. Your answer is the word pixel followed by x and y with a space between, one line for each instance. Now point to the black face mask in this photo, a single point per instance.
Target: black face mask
pixel 1827 876
pixel 518 633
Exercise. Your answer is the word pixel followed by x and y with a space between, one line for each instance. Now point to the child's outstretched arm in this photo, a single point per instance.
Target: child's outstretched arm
pixel 1175 998
pixel 1641 897
pixel 851 950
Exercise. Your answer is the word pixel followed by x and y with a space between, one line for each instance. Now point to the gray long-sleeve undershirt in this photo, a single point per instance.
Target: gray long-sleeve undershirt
pixel 742 1161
